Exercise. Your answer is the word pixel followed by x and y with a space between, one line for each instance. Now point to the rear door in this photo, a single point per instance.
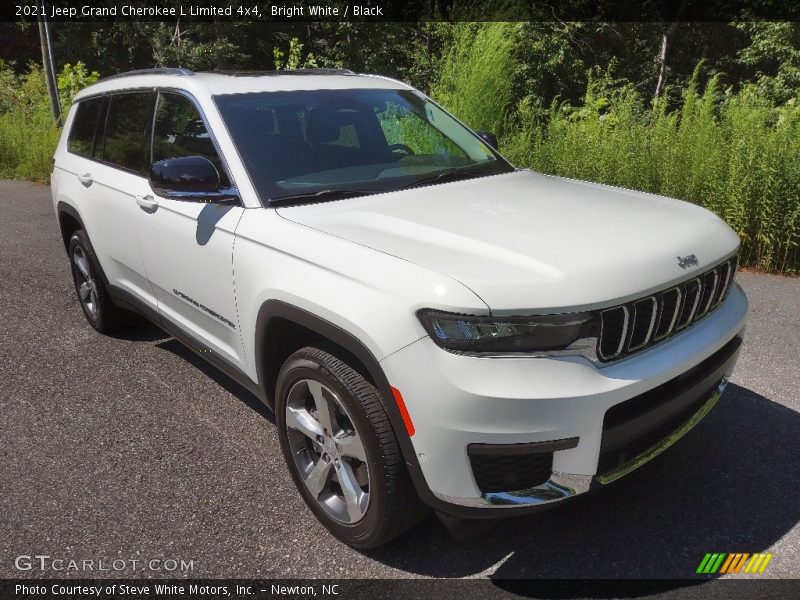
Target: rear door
pixel 100 174
pixel 114 178
pixel 187 247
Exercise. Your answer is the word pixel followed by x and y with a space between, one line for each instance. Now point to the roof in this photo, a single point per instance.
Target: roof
pixel 213 83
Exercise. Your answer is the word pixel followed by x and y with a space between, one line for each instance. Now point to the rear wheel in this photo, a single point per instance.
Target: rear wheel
pixel 342 452
pixel 98 308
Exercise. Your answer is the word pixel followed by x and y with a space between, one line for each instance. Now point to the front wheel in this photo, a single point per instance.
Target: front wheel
pixel 342 452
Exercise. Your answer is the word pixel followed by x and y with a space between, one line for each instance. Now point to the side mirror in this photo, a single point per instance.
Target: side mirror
pixel 189 178
pixel 488 137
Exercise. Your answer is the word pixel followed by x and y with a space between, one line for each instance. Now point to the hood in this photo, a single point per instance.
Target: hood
pixel 527 241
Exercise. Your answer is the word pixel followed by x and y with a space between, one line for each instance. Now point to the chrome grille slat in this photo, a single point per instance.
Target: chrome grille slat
pixel 724 272
pixel 638 324
pixel 672 318
pixel 618 341
pixel 707 293
pixel 691 297
pixel 644 306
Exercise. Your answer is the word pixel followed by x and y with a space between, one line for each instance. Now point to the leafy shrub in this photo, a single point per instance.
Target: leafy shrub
pixel 735 154
pixel 28 135
pixel 475 81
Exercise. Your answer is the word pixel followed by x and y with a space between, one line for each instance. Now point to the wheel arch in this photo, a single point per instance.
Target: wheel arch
pixel 271 324
pixel 69 221
pixel 282 328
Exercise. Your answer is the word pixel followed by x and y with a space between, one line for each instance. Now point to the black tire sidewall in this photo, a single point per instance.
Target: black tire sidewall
pixel 368 528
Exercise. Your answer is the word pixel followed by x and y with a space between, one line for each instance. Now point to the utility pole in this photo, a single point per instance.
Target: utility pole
pixel 47 64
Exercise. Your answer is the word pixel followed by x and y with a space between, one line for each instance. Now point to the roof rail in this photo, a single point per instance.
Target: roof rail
pixel 309 71
pixel 154 71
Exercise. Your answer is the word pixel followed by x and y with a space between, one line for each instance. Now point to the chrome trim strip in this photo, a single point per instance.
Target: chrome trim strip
pixel 564 485
pixel 653 313
pixel 668 441
pixel 623 335
pixel 676 312
pixel 696 302
pixel 724 290
pixel 558 487
pixel 711 295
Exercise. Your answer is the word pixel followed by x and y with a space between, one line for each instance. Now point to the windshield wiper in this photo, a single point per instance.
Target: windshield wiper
pixel 451 174
pixel 327 194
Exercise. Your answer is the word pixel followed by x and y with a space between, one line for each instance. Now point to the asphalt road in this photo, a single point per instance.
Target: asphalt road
pixel 131 448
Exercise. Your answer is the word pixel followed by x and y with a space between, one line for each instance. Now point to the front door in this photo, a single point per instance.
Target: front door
pixel 187 247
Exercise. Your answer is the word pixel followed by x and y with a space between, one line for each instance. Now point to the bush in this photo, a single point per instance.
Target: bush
pixel 735 154
pixel 475 81
pixel 28 135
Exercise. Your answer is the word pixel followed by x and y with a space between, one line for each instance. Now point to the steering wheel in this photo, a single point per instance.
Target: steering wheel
pixel 402 148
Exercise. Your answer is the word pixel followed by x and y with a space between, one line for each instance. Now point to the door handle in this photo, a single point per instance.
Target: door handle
pixel 148 203
pixel 86 179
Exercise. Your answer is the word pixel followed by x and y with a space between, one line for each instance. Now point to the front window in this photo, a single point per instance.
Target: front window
pixel 327 144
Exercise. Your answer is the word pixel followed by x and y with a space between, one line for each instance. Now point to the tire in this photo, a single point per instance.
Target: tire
pixel 310 378
pixel 93 296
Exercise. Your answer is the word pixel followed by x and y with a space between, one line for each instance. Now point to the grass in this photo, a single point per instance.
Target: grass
pixel 737 154
pixel 27 144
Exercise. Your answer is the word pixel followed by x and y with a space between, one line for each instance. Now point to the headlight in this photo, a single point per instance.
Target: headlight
pixel 573 333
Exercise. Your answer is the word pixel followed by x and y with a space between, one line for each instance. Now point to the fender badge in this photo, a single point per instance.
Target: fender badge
pixel 684 262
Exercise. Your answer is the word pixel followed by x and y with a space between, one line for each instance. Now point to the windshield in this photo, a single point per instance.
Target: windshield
pixel 329 144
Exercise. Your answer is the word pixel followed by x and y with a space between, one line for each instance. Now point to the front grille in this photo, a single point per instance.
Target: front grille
pixel 502 473
pixel 639 324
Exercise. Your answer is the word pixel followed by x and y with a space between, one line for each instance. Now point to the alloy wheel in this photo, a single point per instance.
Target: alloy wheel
pixel 84 281
pixel 327 450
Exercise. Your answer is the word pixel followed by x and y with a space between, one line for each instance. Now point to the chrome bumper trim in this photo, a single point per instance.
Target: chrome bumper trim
pixel 565 485
pixel 558 487
pixel 668 441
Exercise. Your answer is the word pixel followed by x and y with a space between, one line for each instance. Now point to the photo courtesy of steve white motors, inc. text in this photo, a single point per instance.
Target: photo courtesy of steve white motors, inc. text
pixel 173 589
pixel 191 10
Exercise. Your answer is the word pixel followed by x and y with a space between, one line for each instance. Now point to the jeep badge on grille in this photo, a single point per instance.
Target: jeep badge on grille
pixel 685 262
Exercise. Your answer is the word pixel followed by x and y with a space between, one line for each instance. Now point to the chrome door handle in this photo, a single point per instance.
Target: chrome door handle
pixel 86 179
pixel 147 202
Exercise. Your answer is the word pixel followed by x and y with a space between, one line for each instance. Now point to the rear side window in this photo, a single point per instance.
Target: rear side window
pixel 88 117
pixel 127 130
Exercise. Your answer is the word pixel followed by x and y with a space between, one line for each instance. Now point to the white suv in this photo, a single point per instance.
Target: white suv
pixel 431 326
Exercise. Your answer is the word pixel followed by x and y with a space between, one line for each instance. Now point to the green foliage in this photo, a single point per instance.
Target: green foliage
pixel 566 98
pixel 734 153
pixel 774 51
pixel 475 80
pixel 295 59
pixel 28 136
pixel 71 80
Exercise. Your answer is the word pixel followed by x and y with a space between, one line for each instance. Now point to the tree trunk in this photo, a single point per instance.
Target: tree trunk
pixel 666 40
pixel 662 69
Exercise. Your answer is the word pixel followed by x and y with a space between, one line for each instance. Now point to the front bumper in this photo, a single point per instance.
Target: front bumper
pixel 458 402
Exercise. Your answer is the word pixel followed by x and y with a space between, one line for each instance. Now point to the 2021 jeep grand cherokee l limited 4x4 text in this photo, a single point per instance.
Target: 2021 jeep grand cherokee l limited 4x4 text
pixel 431 326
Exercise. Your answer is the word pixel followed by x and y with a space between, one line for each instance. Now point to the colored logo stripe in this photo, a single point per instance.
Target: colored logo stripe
pixel 722 562
pixel 758 563
pixel 711 562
